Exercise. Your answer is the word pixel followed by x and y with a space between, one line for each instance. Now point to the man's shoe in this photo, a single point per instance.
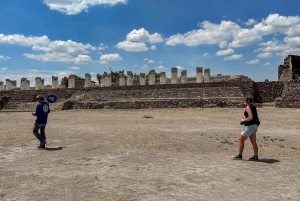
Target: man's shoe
pixel 42 145
pixel 253 158
pixel 238 157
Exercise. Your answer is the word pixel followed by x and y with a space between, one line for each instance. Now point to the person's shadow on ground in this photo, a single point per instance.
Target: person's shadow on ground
pixel 53 148
pixel 265 160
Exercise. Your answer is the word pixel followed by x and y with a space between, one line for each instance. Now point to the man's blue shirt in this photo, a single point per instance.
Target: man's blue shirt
pixel 41 113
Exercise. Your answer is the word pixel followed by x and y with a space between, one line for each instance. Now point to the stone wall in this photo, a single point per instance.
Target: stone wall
pixel 267 91
pixel 222 90
pixel 290 95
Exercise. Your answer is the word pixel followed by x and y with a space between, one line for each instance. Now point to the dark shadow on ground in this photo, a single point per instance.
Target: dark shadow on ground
pixel 265 160
pixel 53 149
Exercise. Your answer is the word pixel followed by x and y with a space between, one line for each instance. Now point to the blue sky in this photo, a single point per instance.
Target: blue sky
pixel 41 38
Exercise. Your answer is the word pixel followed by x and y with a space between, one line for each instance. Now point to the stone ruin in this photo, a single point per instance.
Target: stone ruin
pixel 128 80
pixel 290 69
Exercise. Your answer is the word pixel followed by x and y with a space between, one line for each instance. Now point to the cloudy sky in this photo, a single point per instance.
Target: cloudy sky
pixel 41 38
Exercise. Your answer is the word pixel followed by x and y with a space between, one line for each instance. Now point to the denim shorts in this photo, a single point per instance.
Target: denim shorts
pixel 249 130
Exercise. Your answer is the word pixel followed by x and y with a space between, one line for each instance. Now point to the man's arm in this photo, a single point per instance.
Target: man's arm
pixel 38 110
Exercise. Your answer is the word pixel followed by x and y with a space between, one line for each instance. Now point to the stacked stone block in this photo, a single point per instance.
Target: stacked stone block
pixel 183 77
pixel 10 84
pixel 54 82
pixel 174 75
pixel 151 77
pixel 199 75
pixel 142 79
pixel 207 75
pixel 129 81
pixel 1 86
pixel 25 84
pixel 163 78
pixel 122 80
pixel 88 80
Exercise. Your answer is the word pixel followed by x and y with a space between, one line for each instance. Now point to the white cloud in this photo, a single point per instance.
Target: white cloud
pixel 292 41
pixel 4 57
pixel 251 22
pixel 132 46
pixel 142 35
pixel 245 37
pixel 264 55
pixel 4 68
pixel 160 62
pixel 105 58
pixel 59 57
pixel 223 44
pixel 153 47
pixel 253 61
pixel 74 68
pixel 267 64
pixel 18 39
pixel 145 66
pixel 146 59
pixel 179 67
pixel 135 66
pixel 233 57
pixel 160 67
pixel 72 7
pixel 150 61
pixel 225 52
pixel 102 46
pixel 208 34
pixel 205 54
pixel 68 46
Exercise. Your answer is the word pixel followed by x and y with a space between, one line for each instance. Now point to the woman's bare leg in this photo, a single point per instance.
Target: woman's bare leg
pixel 241 145
pixel 254 144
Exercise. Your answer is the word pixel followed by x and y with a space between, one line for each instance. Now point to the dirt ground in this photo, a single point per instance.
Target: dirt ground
pixel 179 154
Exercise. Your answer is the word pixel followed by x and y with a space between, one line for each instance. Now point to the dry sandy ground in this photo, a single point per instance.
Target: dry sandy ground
pixel 180 154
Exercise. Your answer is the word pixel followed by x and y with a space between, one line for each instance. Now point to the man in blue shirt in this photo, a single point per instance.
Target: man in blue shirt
pixel 41 113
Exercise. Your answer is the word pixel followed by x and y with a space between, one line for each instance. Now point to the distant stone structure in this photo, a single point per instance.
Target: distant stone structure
pixel 163 78
pixel 1 86
pixel 199 75
pixel 54 82
pixel 25 84
pixel 39 83
pixel 129 81
pixel 10 84
pixel 174 75
pixel 88 80
pixel 71 81
pixel 152 77
pixel 142 79
pixel 144 91
pixel 207 75
pixel 290 70
pixel 183 77
pixel 122 80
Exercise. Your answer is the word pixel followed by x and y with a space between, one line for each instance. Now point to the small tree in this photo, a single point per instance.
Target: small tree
pixel 64 81
pixel 98 76
pixel 136 76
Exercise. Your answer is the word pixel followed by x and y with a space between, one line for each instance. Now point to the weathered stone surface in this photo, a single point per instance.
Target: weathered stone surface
pixel 10 84
pixel 129 80
pixel 142 79
pixel 151 77
pixel 287 74
pixel 25 84
pixel 1 86
pixel 71 81
pixel 39 83
pixel 199 75
pixel 122 80
pixel 163 78
pixel 183 77
pixel 207 75
pixel 88 80
pixel 54 82
pixel 174 75
pixel 267 91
